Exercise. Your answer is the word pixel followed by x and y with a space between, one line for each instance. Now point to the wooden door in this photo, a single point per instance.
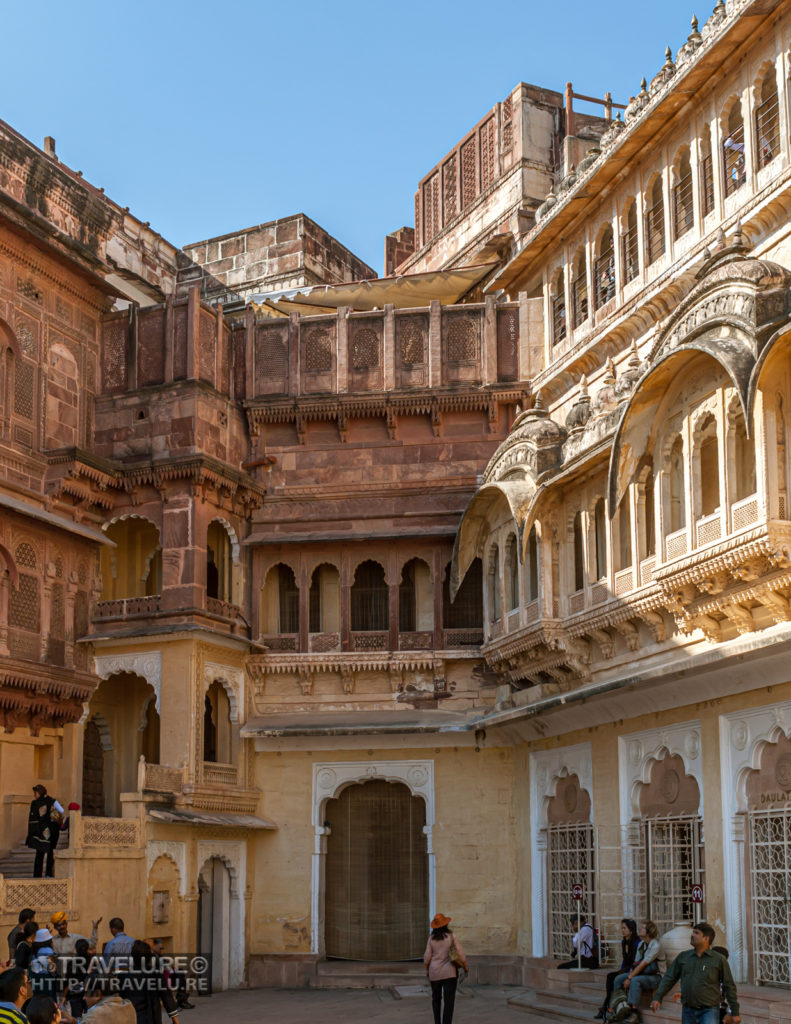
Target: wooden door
pixel 376 878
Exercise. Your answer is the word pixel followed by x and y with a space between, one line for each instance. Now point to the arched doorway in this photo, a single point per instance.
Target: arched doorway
pixel 376 874
pixel 214 920
pixel 92 771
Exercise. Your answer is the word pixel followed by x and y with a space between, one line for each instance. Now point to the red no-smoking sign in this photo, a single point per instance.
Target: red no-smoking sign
pixel 577 891
pixel 696 893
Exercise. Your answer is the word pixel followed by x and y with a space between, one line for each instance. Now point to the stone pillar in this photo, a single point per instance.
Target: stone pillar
pixel 71 596
pixel 304 607
pixel 345 583
pixel 46 608
pixel 342 350
pixel 389 346
pixel 438 609
pixel 489 348
pixel 435 343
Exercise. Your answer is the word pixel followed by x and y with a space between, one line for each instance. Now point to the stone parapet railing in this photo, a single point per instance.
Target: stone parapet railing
pixel 44 894
pixel 159 778
pixel 125 607
pixel 114 832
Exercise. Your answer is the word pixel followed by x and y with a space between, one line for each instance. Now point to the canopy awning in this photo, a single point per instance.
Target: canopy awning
pixel 176 816
pixel 408 291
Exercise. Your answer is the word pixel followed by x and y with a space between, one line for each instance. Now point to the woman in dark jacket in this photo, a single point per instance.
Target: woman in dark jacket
pixel 146 987
pixel 24 951
pixel 629 941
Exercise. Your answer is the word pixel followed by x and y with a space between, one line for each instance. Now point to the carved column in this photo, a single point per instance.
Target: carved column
pixel 346 639
pixel 46 608
pixel 304 608
pixel 71 597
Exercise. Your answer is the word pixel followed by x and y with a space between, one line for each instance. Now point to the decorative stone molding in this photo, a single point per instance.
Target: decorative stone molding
pixel 329 778
pixel 176 852
pixel 637 752
pixel 546 768
pixel 147 665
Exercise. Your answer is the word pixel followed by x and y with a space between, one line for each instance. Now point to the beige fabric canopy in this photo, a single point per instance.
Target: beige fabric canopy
pixel 405 292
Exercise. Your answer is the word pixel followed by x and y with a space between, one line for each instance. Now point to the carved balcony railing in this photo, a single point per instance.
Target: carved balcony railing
pixel 576 602
pixel 708 529
pixel 417 640
pixel 321 643
pixel 216 774
pixel 160 778
pixel 41 893
pixel 122 608
pixel 744 513
pixel 647 567
pixel 225 609
pixel 370 640
pixel 624 581
pixel 117 832
pixel 676 544
pixel 281 641
pixel 454 639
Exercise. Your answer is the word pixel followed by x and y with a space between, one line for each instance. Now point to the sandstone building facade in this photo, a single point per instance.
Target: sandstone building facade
pixel 331 618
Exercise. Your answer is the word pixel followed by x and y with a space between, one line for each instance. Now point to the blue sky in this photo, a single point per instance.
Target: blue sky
pixel 208 117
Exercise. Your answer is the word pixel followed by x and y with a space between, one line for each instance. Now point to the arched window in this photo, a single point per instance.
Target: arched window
pixel 218 737
pixel 733 163
pixel 494 584
pixel 280 601
pixel 531 565
pixel 415 598
pixel 782 470
pixel 325 599
pixel 709 467
pixel 647 519
pixel 655 221
pixel 579 289
pixel 629 242
pixel 600 530
pixel 682 196
pixel 466 612
pixel 219 562
pixel 678 505
pixel 743 457
pixel 579 553
pixel 604 269
pixel 133 568
pixel 767 120
pixel 370 599
pixel 512 574
pixel 624 524
pixel 706 173
pixel 558 296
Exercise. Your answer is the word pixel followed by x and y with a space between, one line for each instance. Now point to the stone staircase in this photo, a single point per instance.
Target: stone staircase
pixel 571 997
pixel 333 974
pixel 18 863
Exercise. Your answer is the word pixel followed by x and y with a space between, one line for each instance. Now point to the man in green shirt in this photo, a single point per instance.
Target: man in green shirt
pixel 705 978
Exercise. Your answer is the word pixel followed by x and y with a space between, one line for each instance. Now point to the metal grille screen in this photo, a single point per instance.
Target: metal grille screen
pixel 376 904
pixel 572 858
pixel 770 868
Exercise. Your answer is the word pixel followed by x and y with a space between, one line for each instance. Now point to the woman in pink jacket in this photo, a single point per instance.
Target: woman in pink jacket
pixel 442 973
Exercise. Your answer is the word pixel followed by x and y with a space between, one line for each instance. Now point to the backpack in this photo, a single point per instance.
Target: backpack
pixel 618 1009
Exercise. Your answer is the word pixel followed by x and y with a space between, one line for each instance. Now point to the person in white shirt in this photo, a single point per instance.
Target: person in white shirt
pixel 586 937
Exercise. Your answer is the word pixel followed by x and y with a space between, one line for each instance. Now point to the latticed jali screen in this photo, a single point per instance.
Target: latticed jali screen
pixel 571 858
pixel 770 877
pixel 376 878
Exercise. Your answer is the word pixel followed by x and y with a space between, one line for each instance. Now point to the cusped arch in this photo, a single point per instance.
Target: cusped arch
pixel 407 558
pixel 7 559
pixel 562 775
pixel 513 497
pixel 635 433
pixel 285 561
pixel 234 540
pixel 643 776
pixel 329 781
pixel 230 692
pixel 9 339
pixel 757 748
pixel 133 515
pixel 229 864
pixel 777 348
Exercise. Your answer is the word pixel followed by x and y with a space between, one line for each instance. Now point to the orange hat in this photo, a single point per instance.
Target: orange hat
pixel 440 921
pixel 58 916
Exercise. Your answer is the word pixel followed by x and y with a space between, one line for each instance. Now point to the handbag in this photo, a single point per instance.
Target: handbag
pixel 454 956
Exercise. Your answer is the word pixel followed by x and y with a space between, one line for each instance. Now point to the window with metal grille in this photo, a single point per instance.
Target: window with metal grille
pixel 407 599
pixel 630 250
pixel 767 123
pixel 770 889
pixel 655 223
pixel 682 199
pixel 674 863
pixel 733 159
pixel 571 859
pixel 604 270
pixel 558 318
pixel 579 297
pixel 707 183
pixel 288 600
pixel 466 612
pixel 369 598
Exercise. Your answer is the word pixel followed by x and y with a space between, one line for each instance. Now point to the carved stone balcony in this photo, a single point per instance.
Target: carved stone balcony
pixel 127 607
pixel 216 774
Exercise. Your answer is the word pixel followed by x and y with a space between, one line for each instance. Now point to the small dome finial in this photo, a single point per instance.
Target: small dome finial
pixel 538 402
pixel 694 23
pixel 583 386
pixel 634 358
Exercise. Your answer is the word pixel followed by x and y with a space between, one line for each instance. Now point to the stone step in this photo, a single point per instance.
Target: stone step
pixel 18 863
pixel 366 980
pixel 338 974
